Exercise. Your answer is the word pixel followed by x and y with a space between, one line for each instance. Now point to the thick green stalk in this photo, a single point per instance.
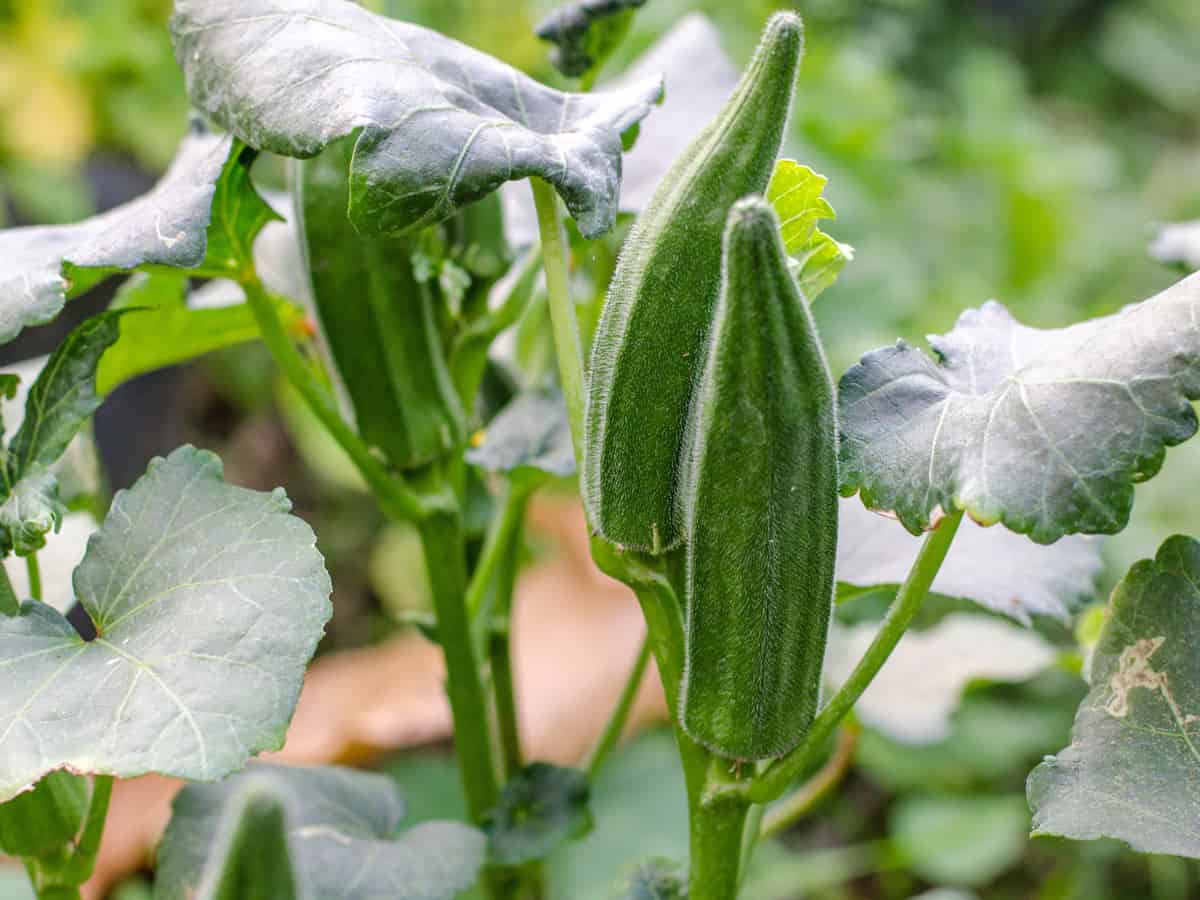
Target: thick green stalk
pixel 397 500
pixel 620 715
pixel 715 828
pixel 445 560
pixel 35 576
pixel 562 309
pixel 779 776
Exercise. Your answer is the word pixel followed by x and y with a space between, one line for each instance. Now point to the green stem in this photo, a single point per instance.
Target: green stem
pixel 779 776
pixel 620 715
pixel 509 528
pixel 562 309
pixel 35 576
pixel 396 498
pixel 501 542
pixel 500 656
pixel 445 560
pixel 83 861
pixel 797 804
pixel 715 826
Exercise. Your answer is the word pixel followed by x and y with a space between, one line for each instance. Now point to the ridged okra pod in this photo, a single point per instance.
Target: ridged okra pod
pixel 760 501
pixel 649 344
pixel 378 320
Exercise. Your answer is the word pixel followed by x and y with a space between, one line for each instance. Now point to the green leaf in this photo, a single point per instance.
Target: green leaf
pixel 650 345
pixel 761 525
pixel 379 322
pixel 540 808
pixel 29 513
pixel 168 226
pixel 208 600
pixel 239 214
pixel 342 833
pixel 438 124
pixel 251 859
pixel 994 567
pixel 1132 771
pixel 960 840
pixel 1046 431
pixel 654 879
pixel 46 818
pixel 586 32
pixel 795 192
pixel 530 438
pixel 161 330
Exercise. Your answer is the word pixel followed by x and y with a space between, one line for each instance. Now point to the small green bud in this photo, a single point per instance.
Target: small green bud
pixel 760 489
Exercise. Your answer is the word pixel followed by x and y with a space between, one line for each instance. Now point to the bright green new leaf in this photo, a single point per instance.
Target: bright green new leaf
pixel 586 32
pixel 46 818
pixel 341 831
pixel 1132 771
pixel 994 567
pixel 208 601
pixel 540 809
pixel 530 437
pixel 379 322
pixel 1046 431
pixel 161 330
pixel 167 226
pixel 438 124
pixel 795 192
pixel 650 343
pixel 762 521
pixel 251 859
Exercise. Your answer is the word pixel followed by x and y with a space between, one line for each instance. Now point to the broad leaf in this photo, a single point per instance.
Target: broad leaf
pixel 999 570
pixel 342 833
pixel 529 438
pixel 586 32
pixel 1132 771
pixel 208 600
pixel 540 809
pixel 1046 431
pixel 167 226
pixel 1178 244
pixel 796 193
pixel 251 858
pixel 921 684
pixel 440 124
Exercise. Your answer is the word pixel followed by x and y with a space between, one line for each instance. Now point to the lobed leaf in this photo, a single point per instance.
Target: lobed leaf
pixel 796 193
pixel 1132 771
pixel 530 437
pixel 168 226
pixel 341 831
pixel 996 568
pixel 438 124
pixel 1046 431
pixel 208 601
pixel 585 33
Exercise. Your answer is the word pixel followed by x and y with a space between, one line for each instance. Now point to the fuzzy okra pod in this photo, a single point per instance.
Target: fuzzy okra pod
pixel 379 321
pixel 649 344
pixel 760 506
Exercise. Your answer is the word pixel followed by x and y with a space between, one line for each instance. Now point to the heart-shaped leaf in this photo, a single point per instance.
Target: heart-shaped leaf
pixel 529 437
pixel 540 809
pixel 208 601
pixel 341 830
pixel 441 124
pixel 1132 771
pixel 585 33
pixel 168 226
pixel 1046 431
pixel 994 567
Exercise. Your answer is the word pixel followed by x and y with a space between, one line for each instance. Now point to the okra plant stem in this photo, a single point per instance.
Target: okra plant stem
pixel 562 309
pixel 35 576
pixel 797 804
pixel 620 715
pixel 779 777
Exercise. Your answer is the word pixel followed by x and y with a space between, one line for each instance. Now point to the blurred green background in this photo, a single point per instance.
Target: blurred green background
pixel 1021 150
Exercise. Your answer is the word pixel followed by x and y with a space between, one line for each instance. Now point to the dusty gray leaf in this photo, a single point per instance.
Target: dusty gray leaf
pixel 168 226
pixel 585 33
pixel 342 830
pixel 1178 243
pixel 530 433
pixel 1046 431
pixel 208 600
pixel 442 125
pixel 1132 771
pixel 919 687
pixel 994 567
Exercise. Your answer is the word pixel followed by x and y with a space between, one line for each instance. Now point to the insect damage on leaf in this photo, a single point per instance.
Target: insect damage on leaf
pixel 439 125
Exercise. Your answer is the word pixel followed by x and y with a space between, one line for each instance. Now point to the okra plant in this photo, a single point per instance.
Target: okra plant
pixel 690 394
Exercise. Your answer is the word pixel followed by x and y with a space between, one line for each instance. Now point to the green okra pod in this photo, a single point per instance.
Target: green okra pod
pixel 379 321
pixel 649 345
pixel 760 502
